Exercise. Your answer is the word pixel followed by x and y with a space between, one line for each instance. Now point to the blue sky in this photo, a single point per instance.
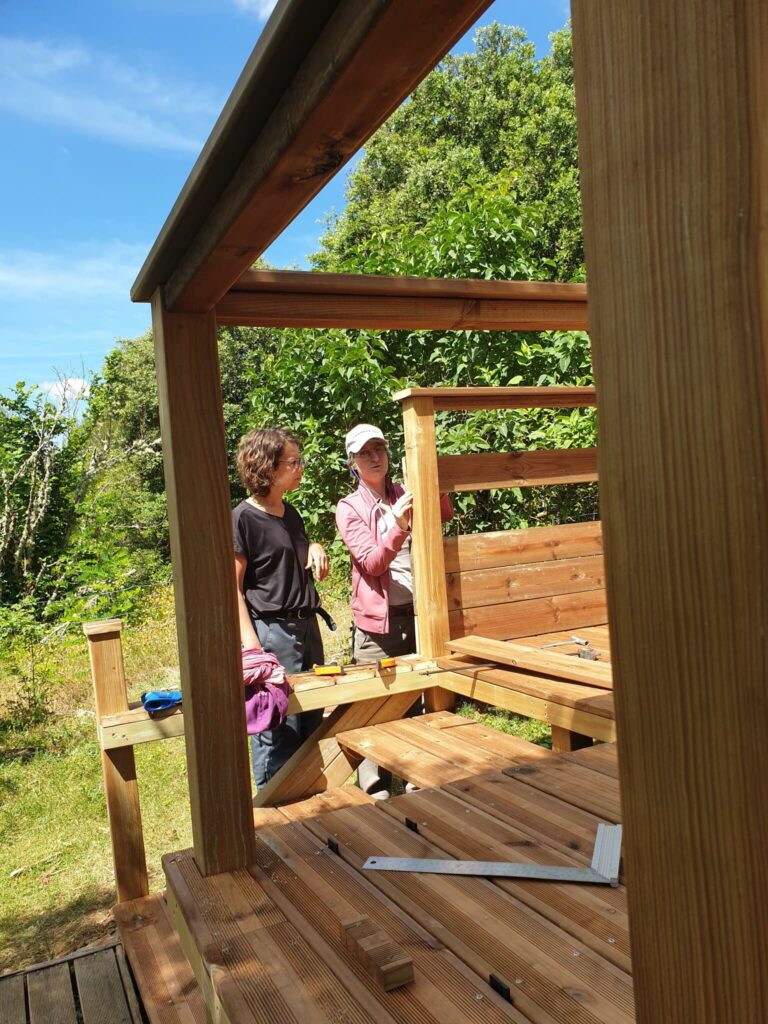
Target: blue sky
pixel 104 107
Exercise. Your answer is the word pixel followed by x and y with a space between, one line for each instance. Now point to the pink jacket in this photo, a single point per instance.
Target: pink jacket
pixel 357 519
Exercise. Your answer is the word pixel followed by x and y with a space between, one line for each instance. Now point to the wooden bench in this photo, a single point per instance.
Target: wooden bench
pixel 577 711
pixel 441 747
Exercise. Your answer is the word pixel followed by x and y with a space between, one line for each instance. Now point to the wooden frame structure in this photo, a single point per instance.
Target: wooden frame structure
pixel 672 102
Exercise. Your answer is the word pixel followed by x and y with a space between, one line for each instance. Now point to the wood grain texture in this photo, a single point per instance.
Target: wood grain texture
pixel 529 659
pixel 516 469
pixel 540 615
pixel 199 514
pixel 524 582
pixel 318 118
pixel 12 1000
pixel 518 547
pixel 100 990
pixel 555 397
pixel 313 283
pixel 169 992
pixel 118 766
pixel 50 996
pixel 427 537
pixel 672 103
pixel 398 312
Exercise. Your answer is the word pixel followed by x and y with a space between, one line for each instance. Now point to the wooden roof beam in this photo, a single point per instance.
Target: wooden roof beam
pixel 321 80
pixel 301 299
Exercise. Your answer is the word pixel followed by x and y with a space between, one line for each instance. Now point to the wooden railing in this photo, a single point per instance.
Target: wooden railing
pixel 505 584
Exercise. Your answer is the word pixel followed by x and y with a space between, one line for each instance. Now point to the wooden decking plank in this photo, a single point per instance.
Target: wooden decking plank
pixel 50 995
pixel 596 635
pixel 129 987
pixel 602 757
pixel 463 757
pixel 321 890
pixel 12 1000
pixel 549 663
pixel 595 916
pixel 543 817
pixel 100 990
pixel 501 744
pixel 572 782
pixel 586 699
pixel 406 760
pixel 444 720
pixel 553 977
pixel 262 968
pixel 169 992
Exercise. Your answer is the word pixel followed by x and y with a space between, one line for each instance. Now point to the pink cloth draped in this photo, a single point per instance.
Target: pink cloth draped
pixel 266 691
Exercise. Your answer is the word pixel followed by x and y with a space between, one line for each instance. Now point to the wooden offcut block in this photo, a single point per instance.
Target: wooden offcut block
pixel 382 958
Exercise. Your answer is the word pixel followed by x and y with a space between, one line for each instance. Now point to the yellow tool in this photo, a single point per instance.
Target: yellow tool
pixel 328 670
pixel 386 663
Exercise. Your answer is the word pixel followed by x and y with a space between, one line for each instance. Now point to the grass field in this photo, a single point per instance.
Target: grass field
pixel 56 878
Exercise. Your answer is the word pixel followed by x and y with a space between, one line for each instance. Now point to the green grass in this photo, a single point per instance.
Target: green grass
pixel 56 873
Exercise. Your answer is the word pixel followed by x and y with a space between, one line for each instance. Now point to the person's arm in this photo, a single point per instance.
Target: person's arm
pixel 374 554
pixel 248 637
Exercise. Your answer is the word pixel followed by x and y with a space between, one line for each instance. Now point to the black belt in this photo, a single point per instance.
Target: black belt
pixel 298 613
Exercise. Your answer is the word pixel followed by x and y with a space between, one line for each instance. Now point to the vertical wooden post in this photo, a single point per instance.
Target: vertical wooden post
pixel 197 486
pixel 429 588
pixel 672 104
pixel 118 766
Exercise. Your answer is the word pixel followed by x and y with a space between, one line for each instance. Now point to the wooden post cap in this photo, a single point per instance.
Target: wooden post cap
pixel 102 626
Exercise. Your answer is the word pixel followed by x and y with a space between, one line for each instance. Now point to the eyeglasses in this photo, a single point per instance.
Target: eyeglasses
pixel 378 451
pixel 293 463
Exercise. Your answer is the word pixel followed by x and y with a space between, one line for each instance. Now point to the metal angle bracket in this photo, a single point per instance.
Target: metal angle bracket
pixel 606 859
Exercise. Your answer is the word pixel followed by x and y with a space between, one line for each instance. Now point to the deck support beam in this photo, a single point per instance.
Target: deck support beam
pixel 672 103
pixel 197 486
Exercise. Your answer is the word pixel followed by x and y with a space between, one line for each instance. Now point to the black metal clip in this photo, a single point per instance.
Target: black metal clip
pixel 500 986
pixel 412 825
pixel 333 846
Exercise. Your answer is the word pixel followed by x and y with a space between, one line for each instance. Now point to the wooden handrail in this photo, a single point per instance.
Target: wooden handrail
pixel 503 398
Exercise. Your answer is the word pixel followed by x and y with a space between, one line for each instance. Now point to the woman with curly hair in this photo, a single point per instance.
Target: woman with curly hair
pixel 274 565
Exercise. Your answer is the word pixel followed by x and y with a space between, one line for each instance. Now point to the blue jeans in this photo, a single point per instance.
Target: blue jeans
pixel 297 645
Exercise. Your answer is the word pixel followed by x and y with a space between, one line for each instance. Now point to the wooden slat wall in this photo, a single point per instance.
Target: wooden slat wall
pixel 517 469
pixel 521 582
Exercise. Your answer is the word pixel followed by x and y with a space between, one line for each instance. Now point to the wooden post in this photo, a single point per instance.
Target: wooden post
pixel 429 587
pixel 672 103
pixel 204 583
pixel 118 766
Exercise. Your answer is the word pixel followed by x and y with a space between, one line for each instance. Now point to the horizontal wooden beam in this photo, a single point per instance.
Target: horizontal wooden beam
pixel 508 583
pixel 398 312
pixel 304 282
pixel 135 726
pixel 311 94
pixel 597 726
pixel 503 398
pixel 526 618
pixel 473 551
pixel 517 469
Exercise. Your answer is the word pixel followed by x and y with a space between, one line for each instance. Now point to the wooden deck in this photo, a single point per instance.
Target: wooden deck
pixel 267 943
pixel 92 986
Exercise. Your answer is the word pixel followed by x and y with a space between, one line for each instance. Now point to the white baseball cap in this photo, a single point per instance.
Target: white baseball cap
pixel 359 435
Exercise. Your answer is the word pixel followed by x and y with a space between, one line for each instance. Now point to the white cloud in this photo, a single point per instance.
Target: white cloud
pixel 97 95
pixel 263 8
pixel 90 270
pixel 67 391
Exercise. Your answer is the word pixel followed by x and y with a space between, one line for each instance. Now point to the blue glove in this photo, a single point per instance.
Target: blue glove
pixel 160 700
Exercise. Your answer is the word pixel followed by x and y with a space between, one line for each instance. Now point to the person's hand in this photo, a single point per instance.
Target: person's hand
pixel 317 561
pixel 401 510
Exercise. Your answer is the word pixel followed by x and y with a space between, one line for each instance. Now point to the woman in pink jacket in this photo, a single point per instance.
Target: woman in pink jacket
pixel 374 522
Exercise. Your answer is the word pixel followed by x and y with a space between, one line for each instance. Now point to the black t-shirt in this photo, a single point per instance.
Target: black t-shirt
pixel 276 548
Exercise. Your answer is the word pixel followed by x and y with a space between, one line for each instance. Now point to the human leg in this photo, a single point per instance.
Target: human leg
pixel 367 648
